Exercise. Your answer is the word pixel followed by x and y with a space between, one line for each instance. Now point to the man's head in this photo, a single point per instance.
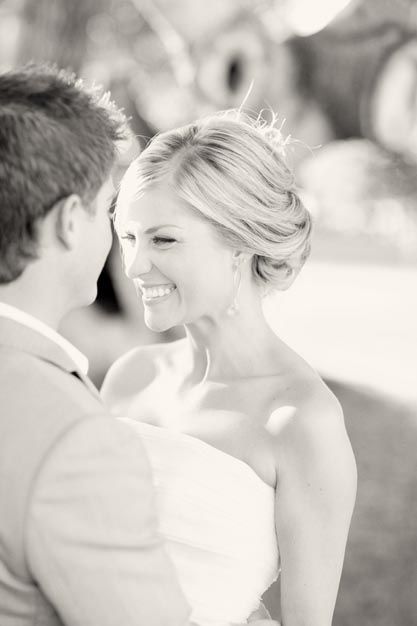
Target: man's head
pixel 57 149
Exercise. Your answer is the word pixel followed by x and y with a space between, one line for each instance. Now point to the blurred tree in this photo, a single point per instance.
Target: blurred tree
pixel 55 30
pixel 94 38
pixel 362 71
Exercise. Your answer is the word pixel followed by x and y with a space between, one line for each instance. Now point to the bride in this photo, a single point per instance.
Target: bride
pixel 254 472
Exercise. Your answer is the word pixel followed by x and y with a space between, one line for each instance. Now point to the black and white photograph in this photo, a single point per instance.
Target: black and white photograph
pixel 208 312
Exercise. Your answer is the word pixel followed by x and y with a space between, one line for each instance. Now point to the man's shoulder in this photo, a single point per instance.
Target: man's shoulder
pixel 27 381
pixel 40 405
pixel 39 401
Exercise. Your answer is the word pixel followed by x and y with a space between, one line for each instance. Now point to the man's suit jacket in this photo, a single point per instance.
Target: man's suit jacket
pixel 78 538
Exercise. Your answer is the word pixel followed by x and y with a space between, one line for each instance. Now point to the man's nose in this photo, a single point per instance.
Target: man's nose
pixel 138 262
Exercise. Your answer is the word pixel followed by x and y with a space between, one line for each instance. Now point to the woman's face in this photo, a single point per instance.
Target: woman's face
pixel 180 267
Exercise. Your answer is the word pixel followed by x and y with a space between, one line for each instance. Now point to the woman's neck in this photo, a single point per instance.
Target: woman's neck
pixel 235 347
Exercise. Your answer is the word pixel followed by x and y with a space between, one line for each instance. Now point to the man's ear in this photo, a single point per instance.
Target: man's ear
pixel 67 213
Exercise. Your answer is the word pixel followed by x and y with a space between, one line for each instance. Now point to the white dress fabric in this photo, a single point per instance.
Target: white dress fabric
pixel 217 517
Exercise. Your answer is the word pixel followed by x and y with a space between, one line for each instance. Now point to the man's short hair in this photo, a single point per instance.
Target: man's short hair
pixel 57 138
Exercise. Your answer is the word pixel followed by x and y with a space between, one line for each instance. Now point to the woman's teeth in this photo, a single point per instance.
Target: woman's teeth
pixel 151 293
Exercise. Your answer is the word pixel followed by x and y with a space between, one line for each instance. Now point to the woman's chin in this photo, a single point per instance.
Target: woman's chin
pixel 158 325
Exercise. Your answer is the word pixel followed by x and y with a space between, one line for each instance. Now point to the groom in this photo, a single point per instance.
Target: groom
pixel 78 539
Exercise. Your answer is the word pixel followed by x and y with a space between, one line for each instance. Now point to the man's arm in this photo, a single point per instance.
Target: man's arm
pixel 91 532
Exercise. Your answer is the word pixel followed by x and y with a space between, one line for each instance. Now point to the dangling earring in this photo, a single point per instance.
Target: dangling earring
pixel 233 309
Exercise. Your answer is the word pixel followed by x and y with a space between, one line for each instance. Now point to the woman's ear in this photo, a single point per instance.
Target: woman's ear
pixel 67 215
pixel 240 257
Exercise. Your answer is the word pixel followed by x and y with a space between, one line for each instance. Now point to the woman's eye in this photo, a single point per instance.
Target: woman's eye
pixel 128 237
pixel 163 241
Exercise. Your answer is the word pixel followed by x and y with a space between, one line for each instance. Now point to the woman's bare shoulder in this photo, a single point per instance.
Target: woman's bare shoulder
pixel 308 413
pixel 308 431
pixel 135 370
pixel 313 399
pixel 302 388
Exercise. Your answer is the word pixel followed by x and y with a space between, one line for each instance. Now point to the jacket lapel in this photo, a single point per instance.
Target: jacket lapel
pixel 20 337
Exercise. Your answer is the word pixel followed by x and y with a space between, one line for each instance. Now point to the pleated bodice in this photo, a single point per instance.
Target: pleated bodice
pixel 217 517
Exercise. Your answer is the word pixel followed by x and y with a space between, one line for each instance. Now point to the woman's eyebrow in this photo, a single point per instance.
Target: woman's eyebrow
pixel 135 226
pixel 153 229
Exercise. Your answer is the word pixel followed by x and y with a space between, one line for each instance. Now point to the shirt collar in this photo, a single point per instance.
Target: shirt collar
pixel 12 312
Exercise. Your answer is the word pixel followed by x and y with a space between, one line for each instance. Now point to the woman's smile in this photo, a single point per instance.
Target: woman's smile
pixel 153 294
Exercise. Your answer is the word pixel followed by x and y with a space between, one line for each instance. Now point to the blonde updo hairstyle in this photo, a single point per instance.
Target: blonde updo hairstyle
pixel 232 170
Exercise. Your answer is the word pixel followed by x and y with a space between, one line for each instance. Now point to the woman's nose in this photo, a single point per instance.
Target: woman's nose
pixel 137 263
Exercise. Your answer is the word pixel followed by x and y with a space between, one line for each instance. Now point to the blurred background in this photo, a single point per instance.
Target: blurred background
pixel 342 78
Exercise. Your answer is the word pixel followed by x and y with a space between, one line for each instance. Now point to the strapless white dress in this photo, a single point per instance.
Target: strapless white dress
pixel 217 517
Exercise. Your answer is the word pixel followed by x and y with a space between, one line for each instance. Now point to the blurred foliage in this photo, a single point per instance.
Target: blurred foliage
pixel 356 188
pixel 170 61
